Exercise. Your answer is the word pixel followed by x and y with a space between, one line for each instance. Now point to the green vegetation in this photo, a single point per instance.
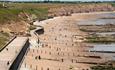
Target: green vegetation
pixel 12 14
pixel 107 67
pixel 8 14
pixel 100 39
pixel 4 37
pixel 19 11
pixel 113 4
pixel 41 13
pixel 32 27
pixel 85 30
pixel 39 9
pixel 23 11
pixel 1 6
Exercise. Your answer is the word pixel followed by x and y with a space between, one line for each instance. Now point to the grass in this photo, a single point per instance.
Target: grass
pixel 41 13
pixel 4 38
pixel 39 9
pixel 113 4
pixel 32 27
pixel 9 14
pixel 12 14
pixel 13 11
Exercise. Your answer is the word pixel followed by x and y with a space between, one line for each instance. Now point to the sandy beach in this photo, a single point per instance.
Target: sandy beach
pixel 60 50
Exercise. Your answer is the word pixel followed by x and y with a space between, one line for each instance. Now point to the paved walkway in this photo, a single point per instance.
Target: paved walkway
pixel 9 54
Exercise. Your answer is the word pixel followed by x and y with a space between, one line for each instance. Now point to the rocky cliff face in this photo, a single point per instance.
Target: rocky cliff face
pixel 79 8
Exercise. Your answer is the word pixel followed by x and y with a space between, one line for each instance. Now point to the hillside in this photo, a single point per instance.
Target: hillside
pixel 16 20
pixel 20 14
pixel 81 8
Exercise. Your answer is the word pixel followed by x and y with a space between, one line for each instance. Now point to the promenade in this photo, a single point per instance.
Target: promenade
pixel 11 52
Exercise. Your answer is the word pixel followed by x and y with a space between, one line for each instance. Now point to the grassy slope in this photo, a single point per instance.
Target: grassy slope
pixel 40 9
pixel 12 14
pixel 8 14
pixel 4 37
pixel 14 9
